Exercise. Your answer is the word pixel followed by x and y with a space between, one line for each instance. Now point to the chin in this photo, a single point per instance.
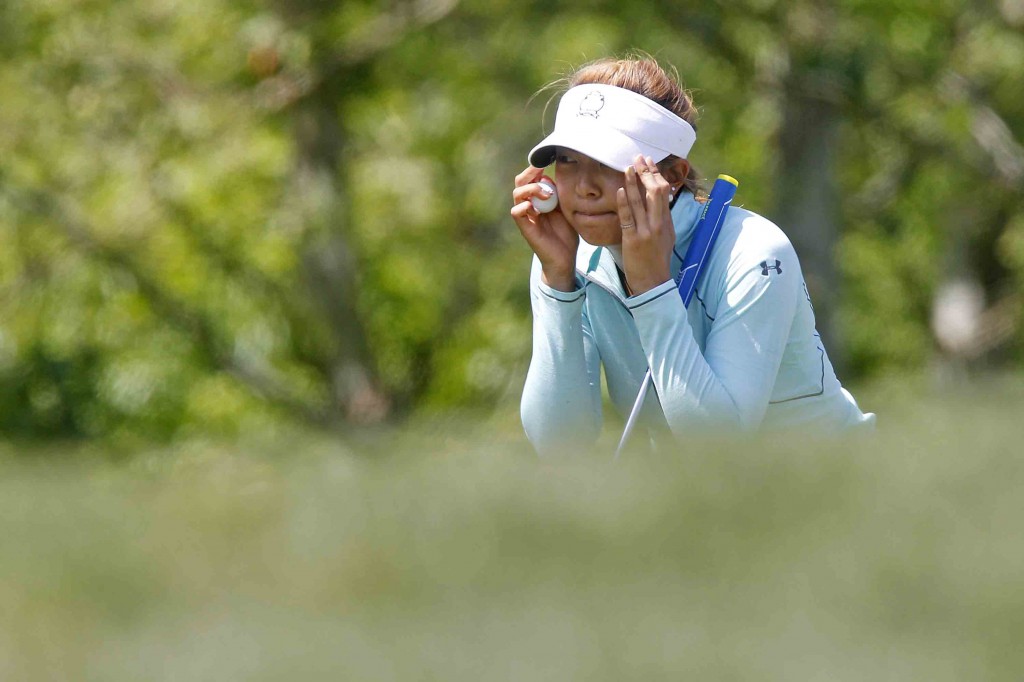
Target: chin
pixel 603 233
pixel 602 237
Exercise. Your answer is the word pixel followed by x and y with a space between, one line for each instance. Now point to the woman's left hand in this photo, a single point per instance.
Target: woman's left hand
pixel 647 231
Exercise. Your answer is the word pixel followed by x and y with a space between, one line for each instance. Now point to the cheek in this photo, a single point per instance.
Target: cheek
pixel 611 184
pixel 565 182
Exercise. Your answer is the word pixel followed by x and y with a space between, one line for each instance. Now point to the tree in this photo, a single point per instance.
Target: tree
pixel 249 211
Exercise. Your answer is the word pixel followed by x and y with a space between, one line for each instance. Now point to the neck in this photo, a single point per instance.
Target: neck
pixel 616 251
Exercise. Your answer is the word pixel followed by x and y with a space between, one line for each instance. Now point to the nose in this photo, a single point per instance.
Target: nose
pixel 587 184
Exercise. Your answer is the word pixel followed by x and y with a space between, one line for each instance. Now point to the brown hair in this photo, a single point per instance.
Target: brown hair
pixel 642 74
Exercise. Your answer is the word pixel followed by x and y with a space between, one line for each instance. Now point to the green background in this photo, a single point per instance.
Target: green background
pixel 219 215
pixel 264 326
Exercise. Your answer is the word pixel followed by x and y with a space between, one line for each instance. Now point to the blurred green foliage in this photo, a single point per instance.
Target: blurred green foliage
pixel 217 217
pixel 446 552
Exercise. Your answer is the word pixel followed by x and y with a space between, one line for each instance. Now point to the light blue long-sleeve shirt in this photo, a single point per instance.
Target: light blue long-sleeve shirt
pixel 744 355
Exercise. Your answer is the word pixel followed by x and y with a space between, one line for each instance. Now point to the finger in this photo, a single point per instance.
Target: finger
pixel 647 163
pixel 640 163
pixel 650 176
pixel 533 189
pixel 636 201
pixel 530 174
pixel 657 190
pixel 520 193
pixel 525 218
pixel 523 210
pixel 626 220
pixel 643 174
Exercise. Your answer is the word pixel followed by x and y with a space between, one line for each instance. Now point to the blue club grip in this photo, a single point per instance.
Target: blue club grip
pixel 705 234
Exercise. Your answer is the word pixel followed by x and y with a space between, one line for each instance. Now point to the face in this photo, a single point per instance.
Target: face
pixel 586 194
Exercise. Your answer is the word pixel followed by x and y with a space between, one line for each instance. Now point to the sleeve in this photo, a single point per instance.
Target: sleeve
pixel 730 384
pixel 561 404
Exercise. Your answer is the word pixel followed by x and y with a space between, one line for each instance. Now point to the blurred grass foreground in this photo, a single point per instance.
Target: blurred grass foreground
pixel 460 556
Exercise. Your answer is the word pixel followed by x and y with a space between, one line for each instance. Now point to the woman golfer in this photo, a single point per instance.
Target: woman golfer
pixel 744 355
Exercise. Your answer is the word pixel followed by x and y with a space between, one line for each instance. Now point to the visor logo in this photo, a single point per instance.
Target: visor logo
pixel 591 104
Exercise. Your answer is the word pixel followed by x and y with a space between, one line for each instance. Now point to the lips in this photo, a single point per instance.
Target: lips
pixel 585 215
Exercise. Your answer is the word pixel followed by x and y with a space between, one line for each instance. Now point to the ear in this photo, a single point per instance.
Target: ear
pixel 675 171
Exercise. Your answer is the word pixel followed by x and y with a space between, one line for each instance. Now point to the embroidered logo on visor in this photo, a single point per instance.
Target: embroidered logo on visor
pixel 591 104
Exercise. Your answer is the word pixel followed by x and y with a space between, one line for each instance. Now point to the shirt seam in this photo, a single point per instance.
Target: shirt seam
pixel 655 298
pixel 582 293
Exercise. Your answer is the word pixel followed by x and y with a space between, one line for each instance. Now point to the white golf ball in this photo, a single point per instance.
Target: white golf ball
pixel 546 205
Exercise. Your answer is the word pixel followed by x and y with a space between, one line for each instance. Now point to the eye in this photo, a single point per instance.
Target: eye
pixel 562 157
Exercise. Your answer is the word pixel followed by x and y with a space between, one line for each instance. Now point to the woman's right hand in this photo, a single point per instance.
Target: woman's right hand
pixel 548 234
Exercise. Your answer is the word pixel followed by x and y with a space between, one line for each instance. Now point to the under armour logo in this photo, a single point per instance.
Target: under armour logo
pixel 591 104
pixel 765 267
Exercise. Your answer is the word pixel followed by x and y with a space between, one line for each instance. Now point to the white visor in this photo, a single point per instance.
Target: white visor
pixel 612 125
